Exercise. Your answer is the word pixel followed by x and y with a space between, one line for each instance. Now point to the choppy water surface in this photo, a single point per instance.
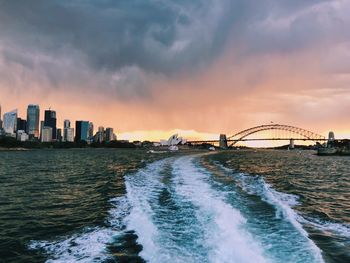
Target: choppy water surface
pixel 132 206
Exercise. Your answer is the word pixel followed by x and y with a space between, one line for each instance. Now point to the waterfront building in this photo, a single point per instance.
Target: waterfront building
pixel 109 134
pixel 41 128
pixel 46 134
pixel 91 132
pixel 33 120
pixel 173 140
pixel 22 136
pixel 59 135
pixel 10 122
pixel 100 135
pixel 51 121
pixel 21 124
pixel 81 131
pixel 69 135
pixel 66 124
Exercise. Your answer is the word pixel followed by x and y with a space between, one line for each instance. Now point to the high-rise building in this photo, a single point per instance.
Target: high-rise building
pixel 100 135
pixel 41 128
pixel 69 135
pixel 81 131
pixel 46 134
pixel 21 125
pixel 50 121
pixel 109 134
pixel 59 135
pixel 66 128
pixel 91 132
pixel 33 120
pixel 66 124
pixel 10 122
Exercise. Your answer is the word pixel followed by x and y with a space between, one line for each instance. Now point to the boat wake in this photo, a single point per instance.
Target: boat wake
pixel 179 213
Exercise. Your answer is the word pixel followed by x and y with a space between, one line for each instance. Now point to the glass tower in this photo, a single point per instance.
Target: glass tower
pixel 33 120
pixel 10 122
pixel 81 131
pixel 50 121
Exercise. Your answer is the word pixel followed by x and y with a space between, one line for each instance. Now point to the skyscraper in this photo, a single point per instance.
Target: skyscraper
pixel 69 135
pixel 33 120
pixel 66 124
pixel 10 122
pixel 109 134
pixel 68 132
pixel 50 121
pixel 59 135
pixel 100 135
pixel 46 134
pixel 81 131
pixel 91 132
pixel 21 125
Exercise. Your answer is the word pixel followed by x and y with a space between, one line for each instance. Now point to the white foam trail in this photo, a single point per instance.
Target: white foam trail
pixel 141 191
pixel 281 201
pixel 91 244
pixel 342 230
pixel 79 248
pixel 226 238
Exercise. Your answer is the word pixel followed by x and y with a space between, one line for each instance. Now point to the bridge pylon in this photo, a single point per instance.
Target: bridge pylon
pixel 291 144
pixel 223 141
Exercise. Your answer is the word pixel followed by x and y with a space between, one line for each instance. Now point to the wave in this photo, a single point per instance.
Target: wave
pixel 89 245
pixel 282 202
pixel 142 189
pixel 226 238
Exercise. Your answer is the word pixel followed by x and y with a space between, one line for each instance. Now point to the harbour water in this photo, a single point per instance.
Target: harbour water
pixel 108 205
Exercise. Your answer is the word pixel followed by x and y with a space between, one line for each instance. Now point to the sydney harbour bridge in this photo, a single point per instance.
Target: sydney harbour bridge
pixel 268 132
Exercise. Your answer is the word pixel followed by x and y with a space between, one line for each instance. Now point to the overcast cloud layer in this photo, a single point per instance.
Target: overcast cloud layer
pixel 238 61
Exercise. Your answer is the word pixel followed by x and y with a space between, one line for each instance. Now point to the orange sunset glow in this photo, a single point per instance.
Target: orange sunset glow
pixel 287 65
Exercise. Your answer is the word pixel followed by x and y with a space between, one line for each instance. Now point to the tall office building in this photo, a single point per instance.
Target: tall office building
pixel 46 134
pixel 91 132
pixel 50 121
pixel 109 134
pixel 33 120
pixel 81 131
pixel 10 122
pixel 66 124
pixel 41 128
pixel 69 135
pixel 21 125
pixel 68 132
pixel 59 135
pixel 100 135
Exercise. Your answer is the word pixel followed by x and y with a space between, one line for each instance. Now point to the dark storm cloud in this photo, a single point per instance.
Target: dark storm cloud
pixel 67 41
pixel 156 35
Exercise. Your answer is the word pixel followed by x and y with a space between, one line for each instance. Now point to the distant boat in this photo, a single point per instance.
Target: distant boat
pixel 212 148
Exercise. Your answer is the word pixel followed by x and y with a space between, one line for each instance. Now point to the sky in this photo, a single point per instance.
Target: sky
pixel 149 68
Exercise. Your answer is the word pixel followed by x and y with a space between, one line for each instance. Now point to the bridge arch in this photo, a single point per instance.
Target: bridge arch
pixel 307 135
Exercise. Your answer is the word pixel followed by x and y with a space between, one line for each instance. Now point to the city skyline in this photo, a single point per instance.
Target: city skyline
pixel 139 135
pixel 194 68
pixel 47 130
